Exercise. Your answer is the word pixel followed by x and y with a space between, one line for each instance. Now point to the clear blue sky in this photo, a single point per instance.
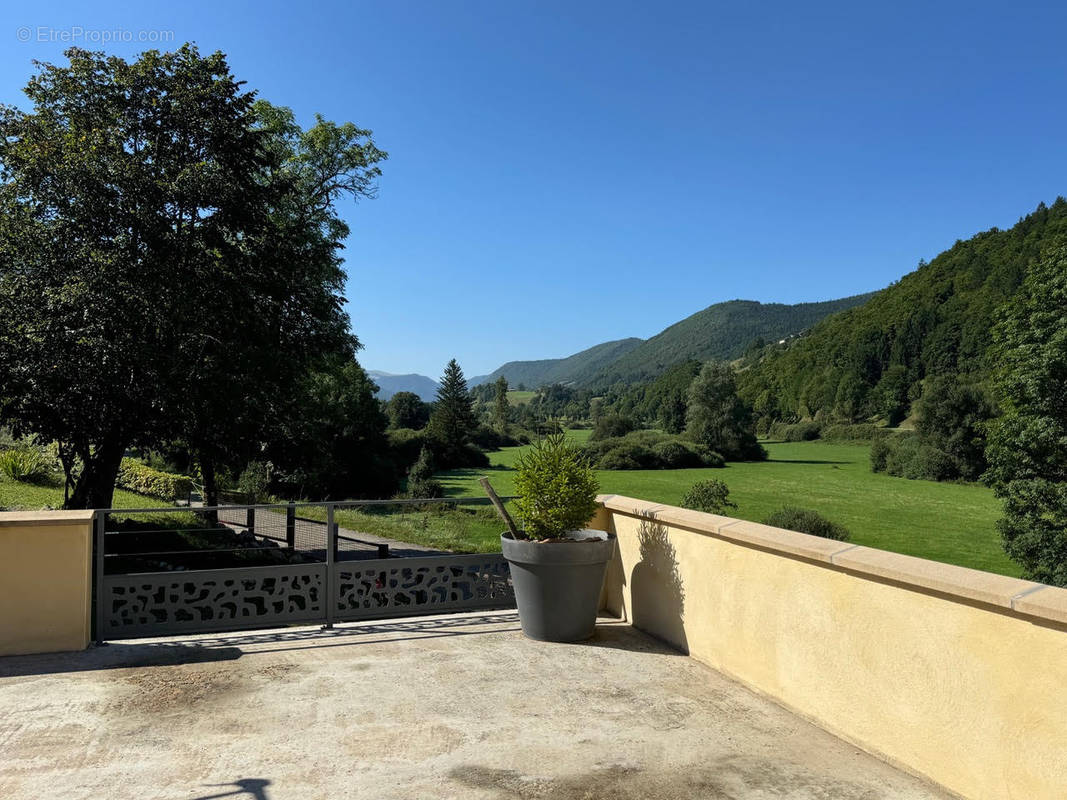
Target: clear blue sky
pixel 562 174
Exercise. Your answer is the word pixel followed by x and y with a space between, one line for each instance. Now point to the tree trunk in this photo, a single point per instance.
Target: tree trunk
pixel 211 487
pixel 96 485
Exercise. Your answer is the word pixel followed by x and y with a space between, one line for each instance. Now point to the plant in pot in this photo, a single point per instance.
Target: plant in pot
pixel 557 565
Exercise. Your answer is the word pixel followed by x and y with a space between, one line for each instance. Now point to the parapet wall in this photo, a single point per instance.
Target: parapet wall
pixel 950 673
pixel 46 562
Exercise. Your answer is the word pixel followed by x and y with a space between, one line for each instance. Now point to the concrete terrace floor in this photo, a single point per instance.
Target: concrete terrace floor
pixel 461 706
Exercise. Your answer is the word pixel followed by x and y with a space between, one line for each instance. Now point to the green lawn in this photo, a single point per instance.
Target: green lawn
pixel 940 521
pixel 15 495
pixel 517 398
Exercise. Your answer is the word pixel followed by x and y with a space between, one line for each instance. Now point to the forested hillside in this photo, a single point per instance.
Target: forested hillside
pixel 719 332
pixel 870 361
pixel 561 370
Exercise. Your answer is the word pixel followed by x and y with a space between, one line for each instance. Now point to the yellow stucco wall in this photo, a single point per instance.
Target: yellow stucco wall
pixel 936 668
pixel 45 581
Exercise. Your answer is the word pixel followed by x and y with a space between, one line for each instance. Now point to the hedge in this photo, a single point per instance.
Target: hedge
pixel 142 479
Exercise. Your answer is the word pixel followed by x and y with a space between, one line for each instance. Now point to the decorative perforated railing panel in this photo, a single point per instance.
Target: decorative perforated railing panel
pixel 403 586
pixel 160 603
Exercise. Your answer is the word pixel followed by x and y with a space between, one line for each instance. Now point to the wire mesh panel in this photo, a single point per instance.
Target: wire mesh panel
pixel 408 586
pixel 157 604
pixel 181 570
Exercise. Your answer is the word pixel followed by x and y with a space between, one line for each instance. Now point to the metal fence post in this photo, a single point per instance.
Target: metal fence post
pixel 98 572
pixel 331 558
pixel 290 526
pixel 250 519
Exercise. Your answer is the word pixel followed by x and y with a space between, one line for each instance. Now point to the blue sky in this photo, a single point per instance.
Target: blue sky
pixel 562 174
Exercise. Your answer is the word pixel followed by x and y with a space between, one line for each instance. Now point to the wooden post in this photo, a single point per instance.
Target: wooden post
pixel 290 526
pixel 503 512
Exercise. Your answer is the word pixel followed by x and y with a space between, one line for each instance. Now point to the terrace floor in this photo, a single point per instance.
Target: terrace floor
pixel 461 706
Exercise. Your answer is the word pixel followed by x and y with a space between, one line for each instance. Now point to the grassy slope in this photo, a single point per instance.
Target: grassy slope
pixel 944 522
pixel 16 495
pixel 517 398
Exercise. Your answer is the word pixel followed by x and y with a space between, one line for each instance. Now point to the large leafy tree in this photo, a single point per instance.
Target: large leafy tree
pixel 718 418
pixel 1027 449
pixel 168 258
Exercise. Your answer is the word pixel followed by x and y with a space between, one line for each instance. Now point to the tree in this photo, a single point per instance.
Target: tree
pixel 407 410
pixel 452 423
pixel 951 416
pixel 718 419
pixel 168 258
pixel 501 406
pixel 1028 444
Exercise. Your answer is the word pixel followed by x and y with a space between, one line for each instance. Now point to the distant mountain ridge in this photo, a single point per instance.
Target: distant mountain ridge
pixel 720 332
pixel 389 384
pixel 571 369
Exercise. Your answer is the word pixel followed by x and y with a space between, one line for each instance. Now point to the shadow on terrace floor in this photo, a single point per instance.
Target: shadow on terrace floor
pixel 229 646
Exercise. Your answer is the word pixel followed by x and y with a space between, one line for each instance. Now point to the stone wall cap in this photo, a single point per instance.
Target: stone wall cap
pixel 10 519
pixel 1016 594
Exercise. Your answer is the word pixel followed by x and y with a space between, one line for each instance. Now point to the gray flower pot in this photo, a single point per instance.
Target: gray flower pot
pixel 557 584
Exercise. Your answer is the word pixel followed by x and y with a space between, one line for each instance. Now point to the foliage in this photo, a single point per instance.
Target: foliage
pixel 142 479
pixel 452 423
pixel 577 367
pixel 796 432
pixel 951 417
pixel 864 432
pixel 420 477
pixel 169 258
pixel 332 441
pixel 407 410
pixel 947 522
pixel 719 332
pixel 501 405
pixel 711 496
pixel 25 462
pixel 872 360
pixel 254 481
pixel 806 521
pixel 612 426
pixel 1028 444
pixel 649 450
pixel 557 488
pixel 718 419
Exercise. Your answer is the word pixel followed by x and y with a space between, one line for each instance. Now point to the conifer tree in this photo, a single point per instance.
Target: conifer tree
pixel 452 422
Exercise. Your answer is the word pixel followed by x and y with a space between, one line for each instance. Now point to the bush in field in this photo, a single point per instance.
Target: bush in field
pixel 711 496
pixel 25 463
pixel 420 477
pixel 612 426
pixel 861 432
pixel 142 479
pixel 649 450
pixel 675 455
pixel 797 432
pixel 804 520
pixel 879 455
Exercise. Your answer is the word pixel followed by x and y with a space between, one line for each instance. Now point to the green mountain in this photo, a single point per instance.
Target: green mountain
pixel 870 361
pixel 722 331
pixel 560 370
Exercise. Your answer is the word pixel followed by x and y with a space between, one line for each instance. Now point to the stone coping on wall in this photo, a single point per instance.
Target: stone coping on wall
pixel 23 519
pixel 1014 595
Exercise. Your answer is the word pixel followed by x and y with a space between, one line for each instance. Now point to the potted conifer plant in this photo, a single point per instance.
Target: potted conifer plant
pixel 557 565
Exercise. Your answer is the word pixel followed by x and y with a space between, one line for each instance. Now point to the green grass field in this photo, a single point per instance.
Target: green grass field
pixel 517 398
pixel 15 495
pixel 946 522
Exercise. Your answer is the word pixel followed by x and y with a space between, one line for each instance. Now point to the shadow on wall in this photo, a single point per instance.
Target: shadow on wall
pixel 657 596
